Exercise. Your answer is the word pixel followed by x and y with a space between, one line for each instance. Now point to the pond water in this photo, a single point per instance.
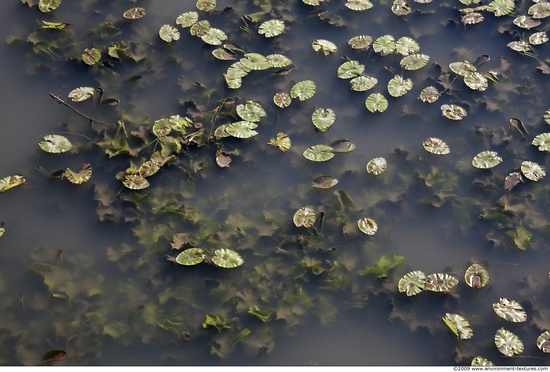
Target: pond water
pixel 89 268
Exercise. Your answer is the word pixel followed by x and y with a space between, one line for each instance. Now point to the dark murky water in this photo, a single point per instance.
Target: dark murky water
pixel 127 305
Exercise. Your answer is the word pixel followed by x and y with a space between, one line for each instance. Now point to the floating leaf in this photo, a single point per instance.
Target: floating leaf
pixel 278 60
pixel 476 276
pixel 135 182
pixel 376 102
pixel 91 56
pixel 282 141
pixel 540 10
pixel 325 46
pixel 412 283
pixel 303 90
pixel 458 325
pixel 361 42
pixel 323 118
pixel 400 8
pixel 501 7
pixel 200 28
pixel 519 46
pixel 187 19
pixel 9 182
pixel 486 160
pixel 318 153
pixel 54 25
pixel 282 99
pixel 358 5
pixel 384 45
pixel 350 69
pixel 510 310
pixel 250 111
pixel 476 81
pixel 363 83
pixel 324 182
pixel 213 36
pixel 377 166
pixel 305 217
pixel 367 226
pixel 55 144
pixel 526 22
pixel 46 6
pixel 429 94
pixel 206 5
pixel 397 86
pixel 543 342
pixel 406 45
pixel 342 145
pixel 223 55
pixel 453 112
pixel 241 129
pixel 538 38
pixel 440 282
pixel 508 343
pixel 227 258
pixel 542 141
pixel 191 256
pixel 532 170
pixel 414 61
pixel 79 177
pixel 169 33
pixel 472 18
pixel 462 68
pixel 480 361
pixel 255 61
pixel 436 146
pixel 271 28
pixel 134 13
pixel 81 94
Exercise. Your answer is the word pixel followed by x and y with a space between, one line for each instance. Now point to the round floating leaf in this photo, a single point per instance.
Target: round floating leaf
pixel 319 153
pixel 546 117
pixel 305 217
pixel 79 177
pixel 458 325
pixel 501 7
pixel 213 36
pixel 323 118
pixel 480 361
pixel 55 144
pixel 46 6
pixel 412 283
pixel 472 18
pixel 282 142
pixel 476 276
pixel 377 166
pixel 220 132
pixel 436 146
pixel 135 182
pixel 271 28
pixel 510 310
pixel 406 45
pixel 241 129
pixel 325 46
pixel 169 33
pixel 206 5
pixel 282 99
pixel 440 282
pixel 324 182
pixel 462 68
pixel 486 160
pixel 303 90
pixel 223 54
pixel 508 343
pixel 453 112
pixel 360 42
pixel 255 61
pixel 400 8
pixel 376 102
pixel 519 46
pixel 367 226
pixel 134 13
pixel 526 22
pixel 191 256
pixel 476 81
pixel 251 111
pixel 149 168
pixel 91 56
pixel 397 86
pixel 358 5
pixel 9 182
pixel 543 342
pixel 429 94
pixel 540 10
pixel 350 69
pixel 237 70
pixel 538 38
pixel 384 45
pixel 542 141
pixel 532 170
pixel 81 94
pixel 227 258
pixel 278 60
pixel 342 145
pixel 187 19
pixel 414 61
pixel 362 83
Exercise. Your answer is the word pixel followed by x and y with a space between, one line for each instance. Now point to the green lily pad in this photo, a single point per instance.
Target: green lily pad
pixel 303 90
pixel 377 166
pixel 476 81
pixel 134 13
pixel 367 226
pixel 397 86
pixel 135 182
pixel 223 54
pixel 251 111
pixel 453 112
pixel 191 256
pixel 255 61
pixel 532 170
pixel 458 325
pixel 282 99
pixel 519 46
pixel 412 283
pixel 400 8
pixel 480 361
pixel 169 33
pixel 91 56
pixel 206 5
pixel 436 146
pixel 538 38
pixel 414 61
pixel 476 276
pixel 81 94
pixel 543 342
pixel 9 182
pixel 430 94
pixel 241 129
pixel 278 60
pixel 54 25
pixel 501 7
pixel 200 28
pixel 360 42
pixel 472 18
pixel 542 141
pixel 325 46
pixel 406 45
pixel 358 5
pixel 508 343
pixel 510 310
pixel 384 45
pixel 187 19
pixel 539 10
pixel 376 102
pixel 55 144
pixel 319 153
pixel 271 28
pixel 462 68
pixel 526 22
pixel 323 118
pixel 213 36
pixel 46 6
pixel 350 69
pixel 149 168
pixel 83 175
pixel 486 160
pixel 227 258
pixel 362 83
pixel 440 282
pixel 324 182
pixel 305 217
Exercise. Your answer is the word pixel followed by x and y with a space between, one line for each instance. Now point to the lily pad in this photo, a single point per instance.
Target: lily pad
pixel 430 94
pixel 47 6
pixel 526 22
pixel 397 86
pixel 542 141
pixel 458 325
pixel 213 36
pixel 538 38
pixel 325 46
pixel 476 276
pixel 135 182
pixel 241 129
pixel 206 5
pixel 227 258
pixel 360 42
pixel 510 310
pixel 539 10
pixel 323 118
pixel 436 146
pixel 480 361
pixel 453 112
pixel 255 61
pixel 376 102
pixel 486 160
pixel 278 60
pixel 476 81
pixel 440 282
pixel 55 144
pixel 83 175
pixel 367 226
pixel 384 45
pixel 462 68
pixel 9 182
pixel 282 99
pixel 362 83
pixel 282 141
pixel 501 7
pixel 406 46
pixel 305 217
pixel 187 19
pixel 508 343
pixel 250 111
pixel 543 342
pixel 400 8
pixel 414 61
pixel 324 182
pixel 303 90
pixel 319 153
pixel 358 5
pixel 532 170
pixel 200 28
pixel 169 33
pixel 271 28
pixel 81 94
pixel 350 69
pixel 134 13
pixel 377 166
pixel 91 56
pixel 191 256
pixel 412 283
